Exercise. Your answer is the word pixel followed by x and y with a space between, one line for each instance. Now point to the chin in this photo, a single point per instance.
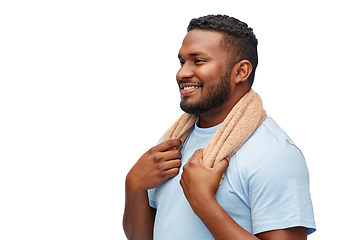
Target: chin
pixel 194 108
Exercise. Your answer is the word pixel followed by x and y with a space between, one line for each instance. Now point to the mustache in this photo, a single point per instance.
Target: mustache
pixel 191 82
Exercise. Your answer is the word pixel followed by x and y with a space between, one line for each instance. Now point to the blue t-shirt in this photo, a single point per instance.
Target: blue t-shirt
pixel 266 187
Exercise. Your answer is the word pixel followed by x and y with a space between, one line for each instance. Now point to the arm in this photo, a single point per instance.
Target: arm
pixel 138 218
pixel 200 185
pixel 152 169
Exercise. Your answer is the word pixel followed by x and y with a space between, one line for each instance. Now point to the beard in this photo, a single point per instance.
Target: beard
pixel 218 95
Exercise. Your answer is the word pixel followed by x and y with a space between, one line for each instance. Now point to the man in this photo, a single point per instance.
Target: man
pixel 264 193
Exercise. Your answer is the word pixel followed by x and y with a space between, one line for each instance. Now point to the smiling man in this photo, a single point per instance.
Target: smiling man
pixel 225 137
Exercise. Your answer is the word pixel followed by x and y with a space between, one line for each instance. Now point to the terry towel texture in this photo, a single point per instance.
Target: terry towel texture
pixel 244 118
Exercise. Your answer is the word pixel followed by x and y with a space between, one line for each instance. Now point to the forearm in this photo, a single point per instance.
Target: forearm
pixel 153 168
pixel 138 220
pixel 220 224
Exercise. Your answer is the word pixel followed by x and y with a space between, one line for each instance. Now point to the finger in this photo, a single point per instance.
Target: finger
pixel 222 166
pixel 171 154
pixel 176 163
pixel 199 152
pixel 171 173
pixel 169 144
pixel 166 156
pixel 197 156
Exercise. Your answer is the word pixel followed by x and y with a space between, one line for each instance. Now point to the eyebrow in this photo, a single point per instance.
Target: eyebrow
pixel 194 54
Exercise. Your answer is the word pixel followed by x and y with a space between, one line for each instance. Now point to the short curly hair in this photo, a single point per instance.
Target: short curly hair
pixel 239 39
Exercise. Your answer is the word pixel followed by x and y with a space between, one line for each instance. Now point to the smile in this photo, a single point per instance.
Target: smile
pixel 190 87
pixel 186 90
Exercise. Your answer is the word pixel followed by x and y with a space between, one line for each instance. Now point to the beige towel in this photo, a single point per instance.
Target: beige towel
pixel 244 118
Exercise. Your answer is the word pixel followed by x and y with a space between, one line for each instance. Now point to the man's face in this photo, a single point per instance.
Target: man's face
pixel 204 77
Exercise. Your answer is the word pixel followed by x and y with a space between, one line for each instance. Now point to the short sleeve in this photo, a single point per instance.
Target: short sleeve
pixel 151 197
pixel 279 190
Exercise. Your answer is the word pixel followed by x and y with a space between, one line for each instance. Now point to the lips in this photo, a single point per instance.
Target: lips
pixel 187 89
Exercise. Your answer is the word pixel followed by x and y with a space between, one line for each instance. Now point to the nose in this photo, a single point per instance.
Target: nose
pixel 184 72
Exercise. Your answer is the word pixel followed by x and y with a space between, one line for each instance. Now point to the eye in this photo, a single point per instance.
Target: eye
pixel 182 62
pixel 199 60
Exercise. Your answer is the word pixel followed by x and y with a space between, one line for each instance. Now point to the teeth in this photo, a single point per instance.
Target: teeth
pixel 190 87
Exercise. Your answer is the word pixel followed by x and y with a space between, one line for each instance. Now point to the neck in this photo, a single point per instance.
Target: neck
pixel 217 115
pixel 210 121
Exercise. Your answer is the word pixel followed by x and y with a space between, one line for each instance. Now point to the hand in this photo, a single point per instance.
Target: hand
pixel 199 182
pixel 155 167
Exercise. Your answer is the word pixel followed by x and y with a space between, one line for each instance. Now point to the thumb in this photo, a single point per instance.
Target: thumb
pixel 222 166
pixel 199 154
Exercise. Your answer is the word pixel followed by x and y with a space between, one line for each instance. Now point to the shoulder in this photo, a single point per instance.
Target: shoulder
pixel 269 138
pixel 274 173
pixel 268 135
pixel 270 150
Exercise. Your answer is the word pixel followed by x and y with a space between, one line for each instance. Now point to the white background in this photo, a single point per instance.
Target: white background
pixel 86 87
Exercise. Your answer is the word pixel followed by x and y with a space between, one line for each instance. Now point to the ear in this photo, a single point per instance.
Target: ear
pixel 242 71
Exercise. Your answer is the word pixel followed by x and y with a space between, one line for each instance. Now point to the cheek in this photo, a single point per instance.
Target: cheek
pixel 209 80
pixel 208 74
